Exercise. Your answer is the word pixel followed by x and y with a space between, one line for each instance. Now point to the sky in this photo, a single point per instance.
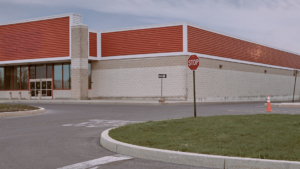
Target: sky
pixel 275 23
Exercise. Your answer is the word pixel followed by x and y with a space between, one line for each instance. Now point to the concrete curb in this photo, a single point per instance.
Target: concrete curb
pixel 194 159
pixel 22 113
pixel 114 102
pixel 284 104
pixel 94 102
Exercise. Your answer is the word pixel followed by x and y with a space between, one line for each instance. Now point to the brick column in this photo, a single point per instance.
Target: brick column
pixel 79 62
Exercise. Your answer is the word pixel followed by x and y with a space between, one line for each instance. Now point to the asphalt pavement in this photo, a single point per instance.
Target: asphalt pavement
pixel 69 134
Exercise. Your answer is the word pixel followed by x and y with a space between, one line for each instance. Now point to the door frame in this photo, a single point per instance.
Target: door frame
pixel 40 81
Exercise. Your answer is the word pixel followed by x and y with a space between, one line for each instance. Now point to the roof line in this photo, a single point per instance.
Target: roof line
pixel 243 39
pixel 197 26
pixel 147 26
pixel 38 19
pixel 142 27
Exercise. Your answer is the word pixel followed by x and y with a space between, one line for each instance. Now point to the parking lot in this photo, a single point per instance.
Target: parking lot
pixel 68 134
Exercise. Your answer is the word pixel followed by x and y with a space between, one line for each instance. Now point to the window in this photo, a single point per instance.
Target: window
pixel 89 74
pixel 8 77
pixel 1 78
pixel 49 71
pixel 16 78
pixel 62 76
pixel 66 76
pixel 24 77
pixel 32 72
pixel 40 71
pixel 57 76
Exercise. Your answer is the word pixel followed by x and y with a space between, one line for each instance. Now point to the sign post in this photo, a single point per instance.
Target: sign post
pixel 193 64
pixel 161 76
pixel 295 73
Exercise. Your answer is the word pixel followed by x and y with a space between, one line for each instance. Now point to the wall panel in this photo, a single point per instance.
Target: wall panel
pixel 34 40
pixel 210 43
pixel 142 41
pixel 240 82
pixel 93 44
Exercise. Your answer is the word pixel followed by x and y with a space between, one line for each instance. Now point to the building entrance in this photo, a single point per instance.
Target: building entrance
pixel 42 85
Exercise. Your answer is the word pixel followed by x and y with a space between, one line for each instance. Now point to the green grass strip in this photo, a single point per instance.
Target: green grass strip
pixel 15 107
pixel 265 136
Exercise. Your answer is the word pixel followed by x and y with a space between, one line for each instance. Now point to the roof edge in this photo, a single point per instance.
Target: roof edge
pixel 39 18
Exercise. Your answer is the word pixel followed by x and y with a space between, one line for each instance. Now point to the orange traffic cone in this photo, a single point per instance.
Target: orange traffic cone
pixel 269 104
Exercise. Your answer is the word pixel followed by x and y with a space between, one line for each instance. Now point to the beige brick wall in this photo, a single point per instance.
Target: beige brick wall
pixel 79 62
pixel 15 94
pixel 61 94
pixel 57 94
pixel 138 78
pixel 239 82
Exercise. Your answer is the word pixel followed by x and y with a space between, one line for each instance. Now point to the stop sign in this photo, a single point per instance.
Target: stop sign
pixel 193 62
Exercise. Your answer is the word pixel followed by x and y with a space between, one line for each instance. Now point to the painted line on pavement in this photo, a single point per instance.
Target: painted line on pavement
pixel 93 168
pixel 96 162
pixel 101 123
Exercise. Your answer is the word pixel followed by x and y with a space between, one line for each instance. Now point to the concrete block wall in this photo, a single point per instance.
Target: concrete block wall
pixel 138 78
pixel 79 62
pixel 240 82
pixel 15 94
pixel 57 94
pixel 62 94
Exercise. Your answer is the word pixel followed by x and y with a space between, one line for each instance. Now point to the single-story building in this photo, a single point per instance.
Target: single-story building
pixel 61 58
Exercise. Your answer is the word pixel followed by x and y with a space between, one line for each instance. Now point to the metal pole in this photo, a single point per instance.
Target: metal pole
pixel 195 112
pixel 161 89
pixel 296 72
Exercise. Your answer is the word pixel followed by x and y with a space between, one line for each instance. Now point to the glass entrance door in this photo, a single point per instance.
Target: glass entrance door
pixel 42 85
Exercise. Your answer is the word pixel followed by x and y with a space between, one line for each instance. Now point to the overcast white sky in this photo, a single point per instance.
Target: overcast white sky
pixel 271 22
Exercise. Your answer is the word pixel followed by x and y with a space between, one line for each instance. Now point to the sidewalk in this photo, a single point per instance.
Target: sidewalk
pixel 113 102
pixel 137 102
pixel 285 104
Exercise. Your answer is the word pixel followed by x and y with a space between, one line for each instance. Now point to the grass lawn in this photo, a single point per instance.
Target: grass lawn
pixel 19 107
pixel 266 136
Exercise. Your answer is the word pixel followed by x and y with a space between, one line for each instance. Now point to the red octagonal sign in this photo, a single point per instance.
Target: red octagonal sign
pixel 193 62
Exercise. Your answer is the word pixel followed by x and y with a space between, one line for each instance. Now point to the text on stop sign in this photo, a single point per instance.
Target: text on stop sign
pixel 193 62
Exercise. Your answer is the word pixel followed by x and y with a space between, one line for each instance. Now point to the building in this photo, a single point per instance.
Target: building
pixel 64 59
